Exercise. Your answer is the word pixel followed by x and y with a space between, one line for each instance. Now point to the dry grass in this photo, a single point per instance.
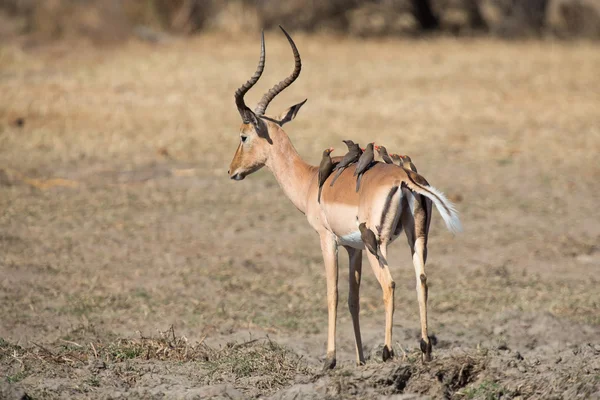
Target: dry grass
pixel 261 367
pixel 254 365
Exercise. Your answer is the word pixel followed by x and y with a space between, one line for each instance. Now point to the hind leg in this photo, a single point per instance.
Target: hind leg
pixel 416 226
pixel 382 273
pixel 420 250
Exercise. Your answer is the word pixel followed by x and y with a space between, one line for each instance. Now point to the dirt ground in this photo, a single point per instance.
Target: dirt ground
pixel 132 267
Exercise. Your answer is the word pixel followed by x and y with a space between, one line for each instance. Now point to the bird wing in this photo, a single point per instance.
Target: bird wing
pixel 325 171
pixel 348 159
pixel 363 162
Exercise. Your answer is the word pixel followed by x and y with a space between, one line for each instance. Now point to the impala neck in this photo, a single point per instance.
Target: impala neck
pixel 290 170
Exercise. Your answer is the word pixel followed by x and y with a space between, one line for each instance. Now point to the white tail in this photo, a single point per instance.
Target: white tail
pixel 445 207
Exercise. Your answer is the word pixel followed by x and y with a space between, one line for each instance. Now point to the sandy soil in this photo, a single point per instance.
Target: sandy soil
pixel 119 221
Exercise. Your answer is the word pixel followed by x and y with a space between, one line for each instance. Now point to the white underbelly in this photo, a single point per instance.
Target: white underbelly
pixel 352 239
pixel 355 241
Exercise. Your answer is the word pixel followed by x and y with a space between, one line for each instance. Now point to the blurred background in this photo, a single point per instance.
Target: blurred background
pixel 114 20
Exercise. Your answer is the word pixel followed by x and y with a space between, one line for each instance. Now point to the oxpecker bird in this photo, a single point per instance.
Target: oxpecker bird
pixel 364 162
pixel 369 239
pixel 352 156
pixel 408 164
pixel 384 154
pixel 325 169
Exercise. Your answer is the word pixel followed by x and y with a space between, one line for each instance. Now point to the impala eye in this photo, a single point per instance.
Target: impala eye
pixel 244 138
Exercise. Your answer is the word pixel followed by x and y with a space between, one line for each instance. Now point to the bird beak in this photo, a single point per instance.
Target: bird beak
pixel 331 149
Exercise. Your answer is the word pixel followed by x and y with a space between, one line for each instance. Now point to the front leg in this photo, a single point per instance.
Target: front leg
pixel 330 257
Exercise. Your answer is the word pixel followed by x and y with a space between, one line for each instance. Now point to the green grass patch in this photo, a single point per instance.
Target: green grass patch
pixel 486 390
pixel 19 376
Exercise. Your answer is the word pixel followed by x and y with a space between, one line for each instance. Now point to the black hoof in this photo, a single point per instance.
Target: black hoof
pixel 329 364
pixel 426 350
pixel 387 353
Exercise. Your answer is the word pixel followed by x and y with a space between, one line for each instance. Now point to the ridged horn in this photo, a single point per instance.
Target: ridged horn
pixel 275 90
pixel 243 109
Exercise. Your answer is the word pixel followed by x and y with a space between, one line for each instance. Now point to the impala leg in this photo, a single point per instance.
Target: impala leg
pixel 416 232
pixel 382 273
pixel 354 276
pixel 419 264
pixel 330 257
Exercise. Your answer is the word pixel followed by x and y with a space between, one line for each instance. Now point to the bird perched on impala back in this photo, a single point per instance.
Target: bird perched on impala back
pixel 369 239
pixel 352 156
pixel 407 163
pixel 384 154
pixel 364 162
pixel 325 169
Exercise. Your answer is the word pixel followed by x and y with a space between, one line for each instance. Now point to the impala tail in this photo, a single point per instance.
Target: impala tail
pixel 419 185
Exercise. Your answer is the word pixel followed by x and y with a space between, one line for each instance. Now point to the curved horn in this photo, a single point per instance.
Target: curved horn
pixel 239 94
pixel 275 90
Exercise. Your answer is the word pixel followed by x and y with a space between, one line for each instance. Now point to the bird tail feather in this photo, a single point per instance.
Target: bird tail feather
pixel 340 170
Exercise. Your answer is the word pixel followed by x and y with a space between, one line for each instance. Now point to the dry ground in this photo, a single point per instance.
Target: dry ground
pixel 118 220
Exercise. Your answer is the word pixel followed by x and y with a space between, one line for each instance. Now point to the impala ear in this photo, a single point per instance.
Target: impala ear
pixel 261 129
pixel 289 114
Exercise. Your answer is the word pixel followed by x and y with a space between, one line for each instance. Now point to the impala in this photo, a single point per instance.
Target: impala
pixel 390 200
